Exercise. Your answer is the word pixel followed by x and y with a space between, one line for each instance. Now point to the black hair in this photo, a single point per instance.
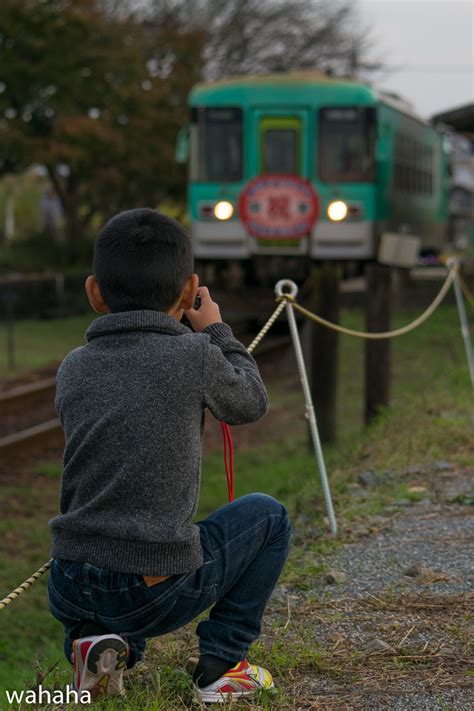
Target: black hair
pixel 142 259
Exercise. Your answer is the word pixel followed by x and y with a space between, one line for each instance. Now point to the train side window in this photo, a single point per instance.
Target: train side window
pixel 412 166
pixel 403 161
pixel 403 150
pixel 416 167
pixel 429 170
pixel 420 167
pixel 423 168
pixel 397 162
pixel 409 151
pixel 218 156
pixel 405 183
pixel 397 176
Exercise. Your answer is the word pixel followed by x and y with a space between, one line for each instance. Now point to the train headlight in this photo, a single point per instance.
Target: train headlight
pixel 337 210
pixel 223 210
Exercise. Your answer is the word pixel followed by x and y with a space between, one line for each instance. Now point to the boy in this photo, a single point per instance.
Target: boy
pixel 128 561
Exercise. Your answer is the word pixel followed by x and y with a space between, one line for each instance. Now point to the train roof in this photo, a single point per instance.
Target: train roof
pixel 292 85
pixel 295 86
pixel 308 76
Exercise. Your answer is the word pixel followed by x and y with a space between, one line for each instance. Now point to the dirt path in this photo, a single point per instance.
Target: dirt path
pixel 397 630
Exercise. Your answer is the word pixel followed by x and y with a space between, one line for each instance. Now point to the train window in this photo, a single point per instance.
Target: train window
pixel 346 144
pixel 412 165
pixel 426 182
pixel 219 139
pixel 405 179
pixel 280 149
pixel 419 180
pixel 429 170
pixel 404 152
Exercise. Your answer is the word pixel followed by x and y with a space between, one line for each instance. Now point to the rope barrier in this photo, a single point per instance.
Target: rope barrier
pixel 24 586
pixel 283 300
pixel 266 327
pixel 376 335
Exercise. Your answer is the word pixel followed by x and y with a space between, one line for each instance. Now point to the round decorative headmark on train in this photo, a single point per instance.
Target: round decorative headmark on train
pixel 277 207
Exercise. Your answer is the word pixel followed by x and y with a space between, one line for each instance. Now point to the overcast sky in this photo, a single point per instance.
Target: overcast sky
pixel 429 44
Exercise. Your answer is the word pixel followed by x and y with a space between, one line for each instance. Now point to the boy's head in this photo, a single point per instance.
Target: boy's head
pixel 142 260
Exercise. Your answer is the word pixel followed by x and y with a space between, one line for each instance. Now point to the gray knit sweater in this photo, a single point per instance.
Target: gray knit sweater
pixel 131 402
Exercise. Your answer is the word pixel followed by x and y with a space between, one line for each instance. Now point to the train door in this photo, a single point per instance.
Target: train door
pixel 282 138
pixel 281 144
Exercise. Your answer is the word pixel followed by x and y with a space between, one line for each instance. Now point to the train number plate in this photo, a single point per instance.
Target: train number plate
pixel 278 207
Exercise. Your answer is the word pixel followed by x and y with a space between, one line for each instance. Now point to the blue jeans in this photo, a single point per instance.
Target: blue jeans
pixel 245 545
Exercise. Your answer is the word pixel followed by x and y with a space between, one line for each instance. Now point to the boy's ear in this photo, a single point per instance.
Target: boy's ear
pixel 94 296
pixel 189 293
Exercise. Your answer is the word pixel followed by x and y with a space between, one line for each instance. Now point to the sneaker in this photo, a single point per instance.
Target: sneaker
pixel 242 680
pixel 99 662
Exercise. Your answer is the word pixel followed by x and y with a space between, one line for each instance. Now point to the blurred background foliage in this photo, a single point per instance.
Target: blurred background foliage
pixel 93 94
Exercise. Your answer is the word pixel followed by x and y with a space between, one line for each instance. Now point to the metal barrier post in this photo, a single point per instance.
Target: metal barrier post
pixel 286 286
pixel 453 262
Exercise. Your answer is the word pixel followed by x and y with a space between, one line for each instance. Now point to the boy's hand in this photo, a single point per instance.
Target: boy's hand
pixel 207 313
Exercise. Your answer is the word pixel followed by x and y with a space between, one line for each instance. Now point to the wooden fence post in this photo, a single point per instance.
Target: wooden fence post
pixel 377 353
pixel 323 343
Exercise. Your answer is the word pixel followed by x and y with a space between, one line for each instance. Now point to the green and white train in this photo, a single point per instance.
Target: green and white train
pixel 372 166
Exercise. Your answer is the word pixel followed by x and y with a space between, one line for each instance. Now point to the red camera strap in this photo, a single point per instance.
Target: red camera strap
pixel 228 459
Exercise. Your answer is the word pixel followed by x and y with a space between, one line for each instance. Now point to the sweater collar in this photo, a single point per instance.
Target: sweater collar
pixel 141 320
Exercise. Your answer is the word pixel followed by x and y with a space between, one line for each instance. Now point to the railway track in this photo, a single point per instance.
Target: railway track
pixel 29 425
pixel 25 407
pixel 29 422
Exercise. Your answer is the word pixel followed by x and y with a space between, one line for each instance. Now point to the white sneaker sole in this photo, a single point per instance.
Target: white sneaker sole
pixel 102 673
pixel 216 697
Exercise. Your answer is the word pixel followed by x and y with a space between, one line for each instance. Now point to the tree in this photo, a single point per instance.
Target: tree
pixel 248 37
pixel 84 94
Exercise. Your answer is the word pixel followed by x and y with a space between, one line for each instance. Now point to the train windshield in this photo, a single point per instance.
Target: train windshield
pixel 280 151
pixel 217 155
pixel 346 145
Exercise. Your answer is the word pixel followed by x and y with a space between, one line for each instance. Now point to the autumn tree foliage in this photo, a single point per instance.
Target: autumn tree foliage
pixel 91 97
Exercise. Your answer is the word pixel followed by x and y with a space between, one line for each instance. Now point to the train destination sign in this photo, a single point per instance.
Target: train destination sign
pixel 278 207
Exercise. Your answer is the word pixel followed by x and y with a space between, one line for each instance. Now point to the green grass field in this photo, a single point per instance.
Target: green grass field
pixel 38 343
pixel 431 418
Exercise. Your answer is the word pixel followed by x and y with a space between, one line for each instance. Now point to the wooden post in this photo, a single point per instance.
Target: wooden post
pixel 59 290
pixel 323 344
pixel 377 353
pixel 10 300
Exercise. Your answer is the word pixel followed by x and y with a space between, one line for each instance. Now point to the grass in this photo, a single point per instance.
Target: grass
pixel 431 418
pixel 41 342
